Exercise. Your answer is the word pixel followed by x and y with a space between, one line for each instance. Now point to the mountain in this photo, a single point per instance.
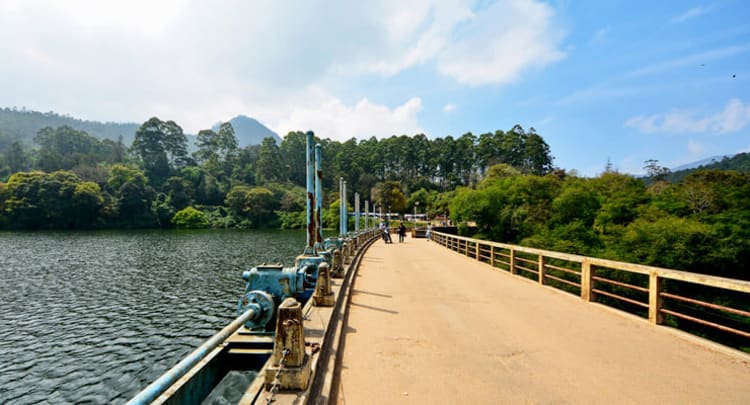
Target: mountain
pixel 699 163
pixel 24 124
pixel 739 162
pixel 249 131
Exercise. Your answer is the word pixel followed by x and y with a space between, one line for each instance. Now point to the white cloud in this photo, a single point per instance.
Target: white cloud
pixel 499 44
pixel 329 117
pixel 692 13
pixel 734 117
pixel 493 45
pixel 199 62
pixel 449 107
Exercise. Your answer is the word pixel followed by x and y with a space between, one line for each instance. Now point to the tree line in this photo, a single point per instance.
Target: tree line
pixel 69 179
pixel 502 182
pixel 699 224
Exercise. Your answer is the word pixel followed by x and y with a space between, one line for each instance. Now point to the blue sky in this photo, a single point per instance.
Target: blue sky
pixel 620 80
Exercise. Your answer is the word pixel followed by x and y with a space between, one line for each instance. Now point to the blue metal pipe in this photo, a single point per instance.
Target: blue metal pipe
pixel 345 211
pixel 356 212
pixel 367 214
pixel 310 192
pixel 341 206
pixel 318 197
pixel 163 383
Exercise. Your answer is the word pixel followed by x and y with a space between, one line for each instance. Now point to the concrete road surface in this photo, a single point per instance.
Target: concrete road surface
pixel 428 326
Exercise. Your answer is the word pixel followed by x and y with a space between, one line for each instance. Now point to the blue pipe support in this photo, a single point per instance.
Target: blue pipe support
pixel 356 212
pixel 158 387
pixel 310 192
pixel 345 212
pixel 341 202
pixel 318 197
pixel 367 214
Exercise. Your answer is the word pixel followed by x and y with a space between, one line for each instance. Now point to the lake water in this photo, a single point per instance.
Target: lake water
pixel 94 317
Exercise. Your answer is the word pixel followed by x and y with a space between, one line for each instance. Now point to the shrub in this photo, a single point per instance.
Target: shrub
pixel 190 218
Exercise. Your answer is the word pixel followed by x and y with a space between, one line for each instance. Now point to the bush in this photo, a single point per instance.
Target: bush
pixel 190 218
pixel 292 220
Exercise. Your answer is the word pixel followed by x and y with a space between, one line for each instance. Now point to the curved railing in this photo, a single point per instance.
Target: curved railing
pixel 713 307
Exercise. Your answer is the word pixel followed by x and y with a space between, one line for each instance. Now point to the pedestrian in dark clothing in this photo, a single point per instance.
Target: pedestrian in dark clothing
pixel 401 233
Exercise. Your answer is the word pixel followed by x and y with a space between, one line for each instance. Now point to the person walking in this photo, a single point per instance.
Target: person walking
pixel 386 232
pixel 401 232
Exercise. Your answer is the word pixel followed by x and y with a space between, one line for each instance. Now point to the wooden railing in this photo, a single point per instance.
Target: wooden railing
pixel 664 296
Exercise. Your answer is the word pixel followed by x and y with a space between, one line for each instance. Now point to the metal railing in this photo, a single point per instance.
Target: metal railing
pixel 713 307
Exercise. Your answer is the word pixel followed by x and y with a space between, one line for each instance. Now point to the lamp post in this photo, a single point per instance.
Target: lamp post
pixel 416 205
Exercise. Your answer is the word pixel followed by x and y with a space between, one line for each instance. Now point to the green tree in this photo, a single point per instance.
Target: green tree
pixel 161 148
pixel 23 208
pixel 676 243
pixel 65 148
pixel 332 218
pixel 537 158
pixel 388 194
pixel 121 174
pixel 261 204
pixel 14 159
pixel 190 218
pixel 88 201
pixel 293 154
pixel 246 164
pixel 420 199
pixel 270 165
pixel 58 200
pixel 254 203
pixel 575 203
pixel 655 172
pixel 217 151
pixel 179 192
pixel 133 197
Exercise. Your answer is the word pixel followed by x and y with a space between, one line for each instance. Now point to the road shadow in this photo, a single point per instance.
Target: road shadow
pixel 375 308
pixel 371 293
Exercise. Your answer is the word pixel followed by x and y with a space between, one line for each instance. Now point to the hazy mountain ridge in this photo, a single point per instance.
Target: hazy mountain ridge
pixel 699 163
pixel 739 162
pixel 23 125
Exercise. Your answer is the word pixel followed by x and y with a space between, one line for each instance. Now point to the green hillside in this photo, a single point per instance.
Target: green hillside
pixel 23 125
pixel 739 162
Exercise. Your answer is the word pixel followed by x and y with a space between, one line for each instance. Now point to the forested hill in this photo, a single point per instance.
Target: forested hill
pixel 739 162
pixel 24 125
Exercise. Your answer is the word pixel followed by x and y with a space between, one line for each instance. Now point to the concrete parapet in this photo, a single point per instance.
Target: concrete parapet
pixel 291 364
pixel 323 296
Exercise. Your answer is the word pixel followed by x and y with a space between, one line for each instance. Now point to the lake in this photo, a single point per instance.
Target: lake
pixel 94 317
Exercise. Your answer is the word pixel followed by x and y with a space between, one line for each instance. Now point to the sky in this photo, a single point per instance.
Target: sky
pixel 618 81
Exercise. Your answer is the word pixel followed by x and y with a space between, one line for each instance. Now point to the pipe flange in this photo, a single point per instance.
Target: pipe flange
pixel 263 304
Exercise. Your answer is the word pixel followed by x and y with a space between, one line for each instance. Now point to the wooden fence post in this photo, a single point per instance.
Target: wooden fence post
pixel 492 255
pixel 512 261
pixel 476 244
pixel 541 268
pixel 586 284
pixel 655 302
